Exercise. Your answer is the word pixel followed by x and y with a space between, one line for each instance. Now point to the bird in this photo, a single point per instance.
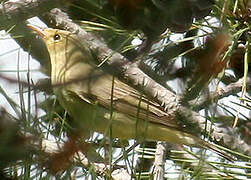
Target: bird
pixel 99 102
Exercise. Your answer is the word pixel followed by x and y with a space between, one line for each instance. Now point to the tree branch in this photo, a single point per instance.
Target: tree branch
pixel 159 161
pixel 13 12
pixel 230 89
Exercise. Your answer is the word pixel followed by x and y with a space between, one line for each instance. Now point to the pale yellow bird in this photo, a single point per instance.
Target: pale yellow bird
pixel 100 102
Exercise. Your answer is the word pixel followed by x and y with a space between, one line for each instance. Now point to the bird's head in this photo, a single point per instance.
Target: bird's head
pixel 67 53
pixel 56 40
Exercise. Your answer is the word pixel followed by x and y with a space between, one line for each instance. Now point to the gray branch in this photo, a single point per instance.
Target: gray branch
pixel 228 90
pixel 159 161
pixel 13 12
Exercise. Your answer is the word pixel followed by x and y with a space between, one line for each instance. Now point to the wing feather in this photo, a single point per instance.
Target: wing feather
pixel 126 99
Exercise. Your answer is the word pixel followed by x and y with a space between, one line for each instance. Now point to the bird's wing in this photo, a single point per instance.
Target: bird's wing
pixel 114 94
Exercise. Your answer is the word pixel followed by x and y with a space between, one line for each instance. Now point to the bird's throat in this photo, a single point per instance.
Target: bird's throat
pixel 70 65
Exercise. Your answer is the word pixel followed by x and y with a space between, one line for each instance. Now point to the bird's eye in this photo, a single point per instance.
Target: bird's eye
pixel 56 37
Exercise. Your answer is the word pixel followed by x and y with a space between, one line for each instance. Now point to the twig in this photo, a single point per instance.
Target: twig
pixel 159 161
pixel 230 89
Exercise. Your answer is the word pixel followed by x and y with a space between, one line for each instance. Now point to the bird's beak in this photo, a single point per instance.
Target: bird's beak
pixel 39 30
